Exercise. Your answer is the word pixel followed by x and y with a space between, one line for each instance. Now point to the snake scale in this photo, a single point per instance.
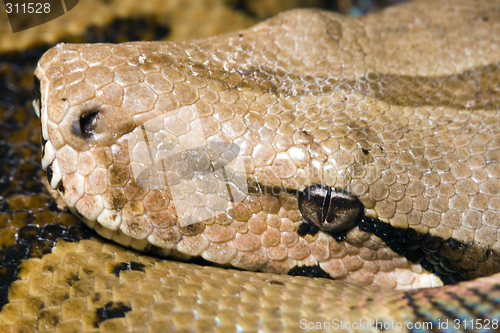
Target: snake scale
pixel 361 153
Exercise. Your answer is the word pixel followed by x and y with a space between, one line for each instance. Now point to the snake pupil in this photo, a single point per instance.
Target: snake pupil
pixel 329 209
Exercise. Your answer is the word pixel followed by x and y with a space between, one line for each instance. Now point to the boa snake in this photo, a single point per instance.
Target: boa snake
pixel 394 112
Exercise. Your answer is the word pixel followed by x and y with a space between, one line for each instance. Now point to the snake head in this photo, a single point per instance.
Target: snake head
pixel 282 154
pixel 124 143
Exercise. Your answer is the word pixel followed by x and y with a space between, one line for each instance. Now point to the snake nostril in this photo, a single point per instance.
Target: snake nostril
pixel 329 209
pixel 86 125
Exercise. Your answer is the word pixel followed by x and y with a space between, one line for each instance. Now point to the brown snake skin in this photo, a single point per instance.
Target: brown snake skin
pixel 392 114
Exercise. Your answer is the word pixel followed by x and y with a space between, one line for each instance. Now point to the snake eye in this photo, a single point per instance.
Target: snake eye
pixel 87 123
pixel 329 209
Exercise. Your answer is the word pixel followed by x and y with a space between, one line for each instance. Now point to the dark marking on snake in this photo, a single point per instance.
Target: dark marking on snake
pixel 50 173
pixel 276 282
pixel 310 271
pixel 12 257
pixel 109 311
pixel 60 187
pixel 306 228
pixel 53 232
pixel 451 260
pixel 49 316
pixel 43 149
pixel 28 233
pixel 96 297
pixel 118 200
pixel 339 236
pixel 192 229
pixel 37 94
pixel 33 242
pixel 70 281
pixel 303 229
pixel 123 266
pixel 329 209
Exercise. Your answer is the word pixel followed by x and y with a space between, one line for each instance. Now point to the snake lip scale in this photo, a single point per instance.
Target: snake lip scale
pixel 365 150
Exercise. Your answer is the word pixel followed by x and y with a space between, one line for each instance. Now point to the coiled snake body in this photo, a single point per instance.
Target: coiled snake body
pixel 360 149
